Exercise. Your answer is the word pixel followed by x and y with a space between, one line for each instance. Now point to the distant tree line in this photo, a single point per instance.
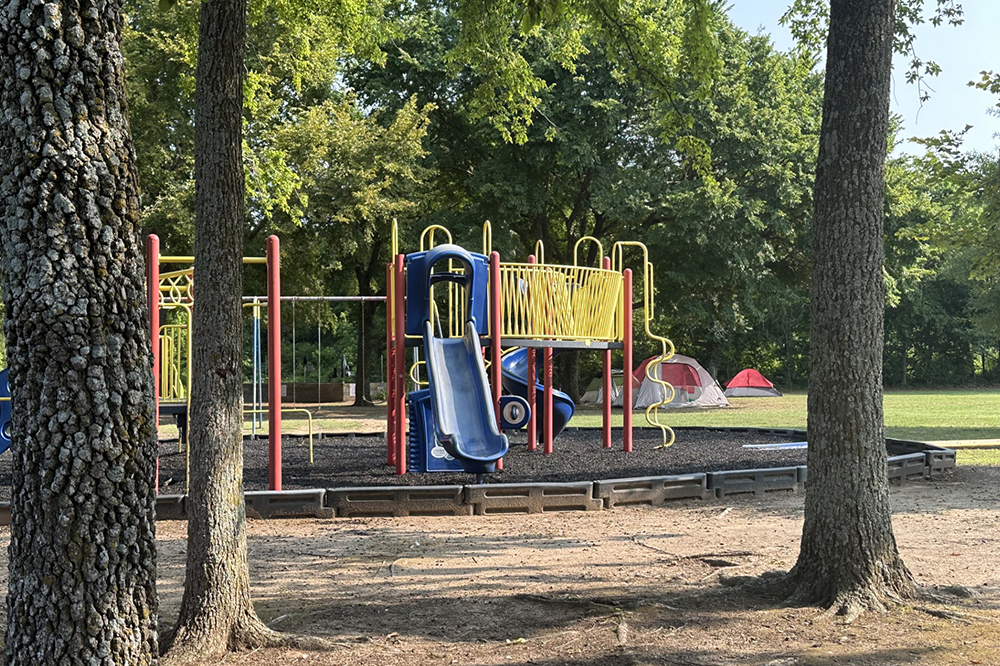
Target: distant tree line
pixel 348 134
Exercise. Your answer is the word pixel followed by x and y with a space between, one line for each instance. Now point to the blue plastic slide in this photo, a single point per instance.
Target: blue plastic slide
pixel 464 419
pixel 514 371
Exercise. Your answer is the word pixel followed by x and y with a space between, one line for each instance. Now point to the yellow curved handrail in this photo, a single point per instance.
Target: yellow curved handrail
pixel 667 347
pixel 539 251
pixel 600 249
pixel 413 375
pixel 487 238
pixel 291 410
pixel 432 229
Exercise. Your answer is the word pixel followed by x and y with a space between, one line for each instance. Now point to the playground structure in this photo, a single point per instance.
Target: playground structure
pixel 172 293
pixel 173 296
pixel 456 422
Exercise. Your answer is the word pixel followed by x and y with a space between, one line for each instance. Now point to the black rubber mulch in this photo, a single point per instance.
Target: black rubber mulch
pixel 360 461
pixel 578 456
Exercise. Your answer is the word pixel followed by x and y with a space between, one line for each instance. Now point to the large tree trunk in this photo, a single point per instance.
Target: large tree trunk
pixel 216 610
pixel 848 558
pixel 82 553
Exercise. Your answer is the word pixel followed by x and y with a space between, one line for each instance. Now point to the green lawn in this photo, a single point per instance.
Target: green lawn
pixel 989 457
pixel 946 415
pixel 920 415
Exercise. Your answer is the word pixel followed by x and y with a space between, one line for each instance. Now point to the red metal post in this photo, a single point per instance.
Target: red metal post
pixel 400 373
pixel 495 331
pixel 627 342
pixel 606 405
pixel 274 361
pixel 531 376
pixel 153 304
pixel 547 421
pixel 532 391
pixel 390 373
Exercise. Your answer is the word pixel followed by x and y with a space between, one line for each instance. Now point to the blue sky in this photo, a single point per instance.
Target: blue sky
pixel 962 52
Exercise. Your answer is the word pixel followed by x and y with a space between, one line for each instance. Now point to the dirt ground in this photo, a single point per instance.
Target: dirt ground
pixel 627 587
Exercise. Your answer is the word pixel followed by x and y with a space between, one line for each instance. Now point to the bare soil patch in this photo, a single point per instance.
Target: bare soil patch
pixel 632 587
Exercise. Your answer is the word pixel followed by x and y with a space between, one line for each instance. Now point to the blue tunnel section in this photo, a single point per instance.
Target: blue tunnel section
pixel 514 373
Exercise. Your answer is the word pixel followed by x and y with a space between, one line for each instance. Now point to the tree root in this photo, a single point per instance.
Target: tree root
pixel 943 613
pixel 187 646
pixel 892 588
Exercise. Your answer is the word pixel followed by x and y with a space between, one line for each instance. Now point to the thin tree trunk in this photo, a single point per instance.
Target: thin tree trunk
pixel 362 376
pixel 569 375
pixel 906 360
pixel 216 610
pixel 848 558
pixel 82 560
pixel 365 276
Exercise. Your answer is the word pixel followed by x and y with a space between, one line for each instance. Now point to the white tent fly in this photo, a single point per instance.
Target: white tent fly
pixel 693 386
pixel 595 390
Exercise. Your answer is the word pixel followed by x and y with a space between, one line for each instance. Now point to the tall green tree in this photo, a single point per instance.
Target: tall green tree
pixel 358 177
pixel 930 331
pixel 733 254
pixel 728 250
pixel 291 63
pixel 82 562
pixel 848 558
pixel 216 611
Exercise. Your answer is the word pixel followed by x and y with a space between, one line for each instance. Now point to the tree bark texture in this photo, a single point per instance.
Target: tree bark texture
pixel 82 553
pixel 216 609
pixel 848 558
pixel 569 374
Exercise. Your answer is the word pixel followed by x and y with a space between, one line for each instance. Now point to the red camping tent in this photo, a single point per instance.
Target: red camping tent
pixel 749 383
pixel 693 386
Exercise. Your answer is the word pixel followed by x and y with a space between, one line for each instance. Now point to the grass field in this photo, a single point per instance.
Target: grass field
pixel 920 415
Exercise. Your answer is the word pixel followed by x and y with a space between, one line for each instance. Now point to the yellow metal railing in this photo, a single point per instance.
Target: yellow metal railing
pixel 487 238
pixel 414 371
pixel 667 347
pixel 284 410
pixel 173 353
pixel 428 236
pixel 176 291
pixel 187 450
pixel 558 302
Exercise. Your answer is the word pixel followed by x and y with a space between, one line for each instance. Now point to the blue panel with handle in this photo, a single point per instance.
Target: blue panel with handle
pixel 426 453
pixel 420 278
